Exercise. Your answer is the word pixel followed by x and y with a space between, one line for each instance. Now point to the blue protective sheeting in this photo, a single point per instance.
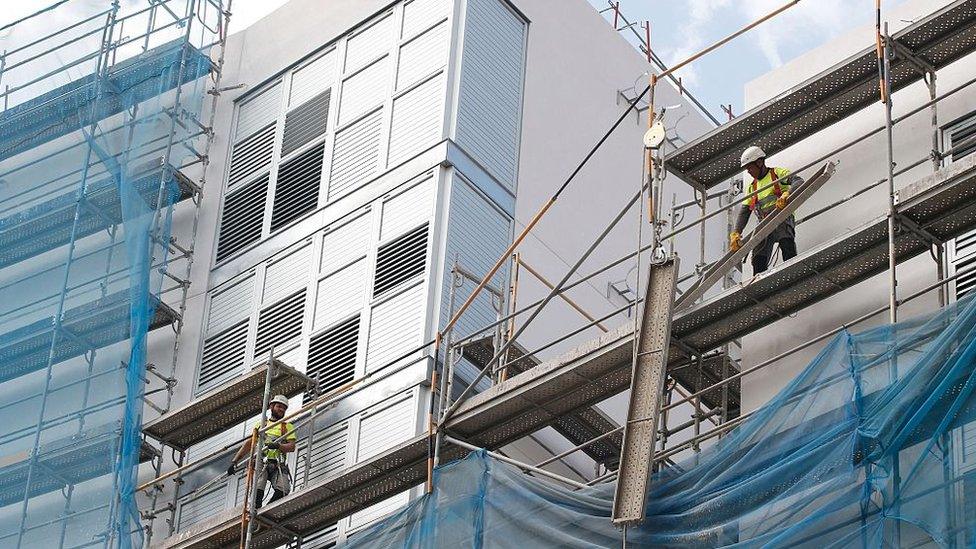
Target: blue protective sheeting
pixel 872 445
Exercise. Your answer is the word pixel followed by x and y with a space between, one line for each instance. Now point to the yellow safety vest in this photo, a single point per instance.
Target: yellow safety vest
pixel 770 188
pixel 273 434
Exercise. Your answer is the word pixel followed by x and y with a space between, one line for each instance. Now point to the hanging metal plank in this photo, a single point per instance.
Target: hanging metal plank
pixel 646 393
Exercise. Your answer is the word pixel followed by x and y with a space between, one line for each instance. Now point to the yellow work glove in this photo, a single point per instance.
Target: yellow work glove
pixel 735 241
pixel 781 200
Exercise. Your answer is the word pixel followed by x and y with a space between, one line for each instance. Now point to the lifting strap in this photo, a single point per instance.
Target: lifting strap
pixel 777 190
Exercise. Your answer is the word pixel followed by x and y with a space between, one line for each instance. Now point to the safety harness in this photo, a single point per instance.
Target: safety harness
pixel 777 190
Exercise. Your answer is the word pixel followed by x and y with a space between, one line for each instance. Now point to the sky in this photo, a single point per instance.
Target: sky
pixel 678 29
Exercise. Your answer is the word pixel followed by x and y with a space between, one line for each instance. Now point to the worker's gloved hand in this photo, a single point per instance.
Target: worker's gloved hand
pixel 231 470
pixel 782 199
pixel 735 241
pixel 272 445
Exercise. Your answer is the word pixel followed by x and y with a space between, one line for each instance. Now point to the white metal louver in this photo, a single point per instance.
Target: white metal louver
pixel 242 218
pixel 306 122
pixel 327 457
pixel 961 133
pixel 340 294
pixel 297 189
pixel 344 244
pixel 356 155
pixel 257 112
pixel 223 357
pixel 364 90
pixel 421 14
pixel 395 328
pixel 369 43
pixel 312 78
pixel 202 506
pixel 229 304
pixel 407 209
pixel 280 323
pixel 286 274
pixel 401 260
pixel 422 56
pixel 332 356
pixel 417 120
pixel 963 250
pixel 491 82
pixel 322 539
pixel 386 424
pixel 251 155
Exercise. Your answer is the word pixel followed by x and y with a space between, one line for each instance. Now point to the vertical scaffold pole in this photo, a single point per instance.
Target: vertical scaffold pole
pixel 886 99
pixel 257 457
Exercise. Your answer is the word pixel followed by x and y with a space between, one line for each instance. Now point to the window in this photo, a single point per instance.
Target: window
pixel 962 252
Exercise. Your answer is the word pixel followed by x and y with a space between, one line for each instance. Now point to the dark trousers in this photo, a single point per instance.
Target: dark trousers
pixel 761 255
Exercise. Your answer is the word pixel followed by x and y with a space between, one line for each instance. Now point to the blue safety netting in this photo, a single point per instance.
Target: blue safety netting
pixel 93 131
pixel 872 445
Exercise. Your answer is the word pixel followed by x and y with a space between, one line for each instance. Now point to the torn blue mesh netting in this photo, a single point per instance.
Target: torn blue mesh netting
pixel 872 445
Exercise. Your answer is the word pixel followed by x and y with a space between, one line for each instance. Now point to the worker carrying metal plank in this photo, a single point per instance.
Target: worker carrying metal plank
pixel 774 186
pixel 279 440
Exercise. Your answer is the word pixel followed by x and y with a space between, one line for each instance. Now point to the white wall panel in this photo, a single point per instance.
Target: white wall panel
pixel 386 424
pixel 395 327
pixel 356 156
pixel 340 294
pixel 422 56
pixel 230 304
pixel 345 243
pixel 258 111
pixel 369 43
pixel 287 274
pixel 407 209
pixel 421 14
pixel 202 506
pixel 313 78
pixel 364 90
pixel 328 455
pixel 292 357
pixel 490 96
pixel 417 120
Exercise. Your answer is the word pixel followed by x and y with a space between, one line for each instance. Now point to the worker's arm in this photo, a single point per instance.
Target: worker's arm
pixel 742 218
pixel 244 450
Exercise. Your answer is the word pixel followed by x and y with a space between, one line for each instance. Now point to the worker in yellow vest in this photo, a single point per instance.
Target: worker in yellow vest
pixel 279 440
pixel 774 186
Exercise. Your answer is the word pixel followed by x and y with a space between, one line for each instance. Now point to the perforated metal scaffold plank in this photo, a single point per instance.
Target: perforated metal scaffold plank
pixel 943 204
pixel 646 394
pixel 827 98
pixel 49 224
pixel 222 408
pixel 90 326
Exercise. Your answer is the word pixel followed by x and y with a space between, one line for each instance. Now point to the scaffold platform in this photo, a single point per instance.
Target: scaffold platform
pixel 228 405
pixel 829 97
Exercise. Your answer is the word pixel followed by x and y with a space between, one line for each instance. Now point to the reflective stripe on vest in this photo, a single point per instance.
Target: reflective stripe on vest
pixel 777 189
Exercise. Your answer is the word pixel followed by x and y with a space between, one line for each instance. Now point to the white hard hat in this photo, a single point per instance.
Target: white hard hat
pixel 280 399
pixel 750 155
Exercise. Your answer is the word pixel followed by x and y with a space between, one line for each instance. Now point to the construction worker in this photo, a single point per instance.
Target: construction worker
pixel 278 441
pixel 774 185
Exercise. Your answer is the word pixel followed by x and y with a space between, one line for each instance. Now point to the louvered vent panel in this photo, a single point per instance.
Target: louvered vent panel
pixel 230 304
pixel 202 506
pixel 964 134
pixel 422 56
pixel 964 263
pixel 306 122
pixel 328 455
pixel 257 112
pixel 223 357
pixel 356 155
pixel 251 155
pixel 280 323
pixel 343 245
pixel 417 118
pixel 322 539
pixel 332 356
pixel 312 79
pixel 407 209
pixel 395 328
pixel 364 90
pixel 385 425
pixel 421 14
pixel 297 190
pixel 340 294
pixel 369 43
pixel 401 260
pixel 286 274
pixel 242 218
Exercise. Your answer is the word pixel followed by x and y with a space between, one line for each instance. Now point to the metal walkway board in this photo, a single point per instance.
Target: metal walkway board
pixel 646 394
pixel 829 97
pixel 230 404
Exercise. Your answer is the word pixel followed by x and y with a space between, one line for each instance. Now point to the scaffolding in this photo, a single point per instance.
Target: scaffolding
pixel 104 130
pixel 528 393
